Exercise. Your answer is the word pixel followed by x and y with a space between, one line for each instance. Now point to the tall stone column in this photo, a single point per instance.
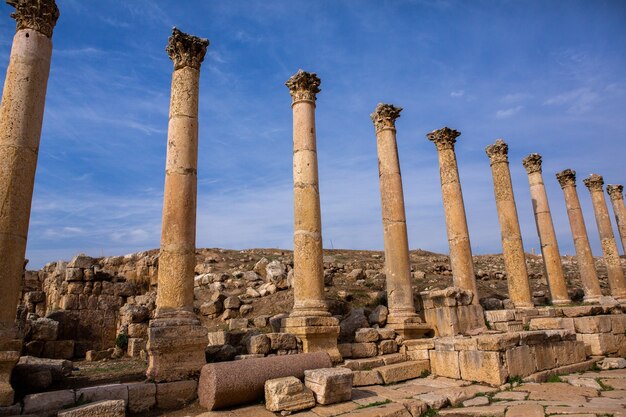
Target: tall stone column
pixel 21 118
pixel 616 193
pixel 402 315
pixel 586 264
pixel 614 269
pixel 310 319
pixel 512 246
pixel 176 340
pixel 454 208
pixel 545 228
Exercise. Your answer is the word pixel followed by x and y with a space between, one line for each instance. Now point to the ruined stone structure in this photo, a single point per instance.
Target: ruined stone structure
pixel 397 265
pixel 454 208
pixel 616 193
pixel 545 229
pixel 310 319
pixel 512 246
pixel 586 264
pixel 614 269
pixel 21 116
pixel 176 340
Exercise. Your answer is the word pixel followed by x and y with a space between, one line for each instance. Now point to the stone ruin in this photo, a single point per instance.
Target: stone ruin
pixel 87 306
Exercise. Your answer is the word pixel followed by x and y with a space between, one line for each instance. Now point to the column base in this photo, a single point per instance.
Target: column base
pixel 591 300
pixel 561 302
pixel 410 327
pixel 318 334
pixel 523 306
pixel 176 345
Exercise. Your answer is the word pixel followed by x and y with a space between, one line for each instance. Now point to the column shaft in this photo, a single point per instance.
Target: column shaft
pixel 545 229
pixel 616 192
pixel 397 262
pixel 607 240
pixel 454 209
pixel 512 246
pixel 584 256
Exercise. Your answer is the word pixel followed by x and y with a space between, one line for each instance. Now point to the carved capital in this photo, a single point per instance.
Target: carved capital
pixel 303 86
pixel 498 152
pixel 616 191
pixel 532 163
pixel 39 15
pixel 594 182
pixel 444 138
pixel 385 115
pixel 186 50
pixel 566 178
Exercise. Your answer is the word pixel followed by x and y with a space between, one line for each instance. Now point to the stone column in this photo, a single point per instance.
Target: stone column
pixel 21 117
pixel 586 264
pixel 402 315
pixel 310 319
pixel 614 269
pixel 545 228
pixel 176 340
pixel 512 246
pixel 616 192
pixel 456 222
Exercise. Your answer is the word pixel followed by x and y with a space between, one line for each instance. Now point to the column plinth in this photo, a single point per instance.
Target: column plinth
pixel 584 256
pixel 610 253
pixel 21 117
pixel 402 316
pixel 616 193
pixel 512 245
pixel 454 209
pixel 176 339
pixel 310 319
pixel 545 229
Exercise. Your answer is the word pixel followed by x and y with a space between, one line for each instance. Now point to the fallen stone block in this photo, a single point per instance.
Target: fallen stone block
pixel 136 346
pixel 364 350
pixel 47 403
pixel 330 385
pixel 366 335
pixel 364 364
pixel 97 355
pixel 287 394
pixel 613 363
pixel 44 329
pixel 365 378
pixel 403 371
pixel 173 395
pixel 110 408
pixel 103 392
pixel 232 383
pixel 282 341
pixel 141 396
pixel 58 349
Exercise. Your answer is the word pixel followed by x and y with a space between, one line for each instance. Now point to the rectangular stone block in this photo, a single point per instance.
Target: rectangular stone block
pixel 497 316
pixel 393 358
pixel 47 403
pixel 287 394
pixel 403 371
pixel 509 326
pixel 551 323
pixel 103 393
pixel 135 347
pixel 109 408
pixel 598 343
pixel 519 361
pixel 569 352
pixel 416 355
pixel 466 343
pixel 173 395
pixel 59 349
pixel 363 364
pixel 364 378
pixel 345 350
pixel 419 344
pixel 364 350
pixel 217 338
pixel 445 343
pixel 532 337
pixel 487 367
pixel 593 324
pixel 329 385
pixel 445 363
pixel 444 320
pixel 141 397
pixel 498 342
pixel 618 323
pixel 581 311
pixel 470 317
pixel 543 356
pixel 387 347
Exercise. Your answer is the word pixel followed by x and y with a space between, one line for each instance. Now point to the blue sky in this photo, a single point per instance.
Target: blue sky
pixel 547 77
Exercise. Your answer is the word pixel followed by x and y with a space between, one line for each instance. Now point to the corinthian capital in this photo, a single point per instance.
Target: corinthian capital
pixel 594 182
pixel 444 138
pixel 186 50
pixel 532 163
pixel 566 178
pixel 385 115
pixel 616 191
pixel 303 86
pixel 39 15
pixel 498 152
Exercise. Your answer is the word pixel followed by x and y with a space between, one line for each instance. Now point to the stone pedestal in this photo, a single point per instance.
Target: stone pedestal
pixel 310 319
pixel 512 246
pixel 616 193
pixel 584 256
pixel 176 339
pixel 454 208
pixel 397 262
pixel 21 117
pixel 545 229
pixel 610 253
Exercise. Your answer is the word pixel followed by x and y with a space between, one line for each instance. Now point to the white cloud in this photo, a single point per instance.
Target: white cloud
pixel 504 113
pixel 577 101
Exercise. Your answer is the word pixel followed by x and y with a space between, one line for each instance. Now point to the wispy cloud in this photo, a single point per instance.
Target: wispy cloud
pixel 504 113
pixel 580 100
pixel 457 93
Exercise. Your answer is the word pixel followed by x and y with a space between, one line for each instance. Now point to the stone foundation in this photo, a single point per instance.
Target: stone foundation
pixel 451 312
pixel 318 334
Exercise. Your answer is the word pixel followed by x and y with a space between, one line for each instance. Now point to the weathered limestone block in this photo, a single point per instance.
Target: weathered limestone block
pixel 618 324
pixel 103 392
pixel 569 352
pixel 496 316
pixel 364 350
pixel 330 385
pixel 519 361
pixel 543 356
pixel 174 395
pixel 498 342
pixel 485 367
pixel 47 403
pixel 236 324
pixel 386 347
pixel 287 394
pixel 594 324
pixel 551 323
pixel 138 330
pixel 403 371
pixel 141 397
pixel 282 341
pixel 259 344
pixel 345 350
pixel 44 329
pixel 136 346
pixel 58 349
pixel 386 334
pixel 364 364
pixel 366 335
pixel 364 378
pixel 445 363
pixel 97 355
pixel 110 408
pixel 598 343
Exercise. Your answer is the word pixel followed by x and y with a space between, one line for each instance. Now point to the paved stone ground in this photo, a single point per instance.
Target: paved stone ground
pixel 589 394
